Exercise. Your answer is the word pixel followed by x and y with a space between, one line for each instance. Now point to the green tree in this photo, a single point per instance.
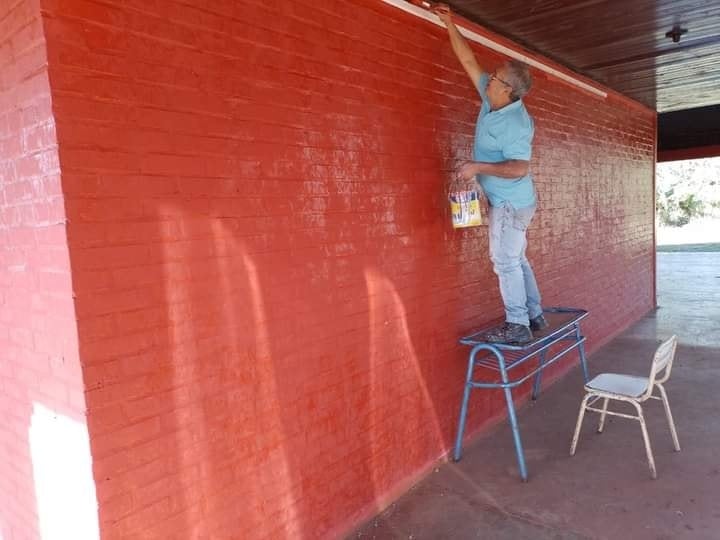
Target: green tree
pixel 686 190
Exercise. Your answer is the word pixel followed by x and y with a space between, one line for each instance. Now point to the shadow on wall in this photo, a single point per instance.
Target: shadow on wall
pixel 282 420
pixel 401 406
pixel 227 407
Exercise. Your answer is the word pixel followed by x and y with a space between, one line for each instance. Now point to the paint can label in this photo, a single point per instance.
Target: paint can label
pixel 465 209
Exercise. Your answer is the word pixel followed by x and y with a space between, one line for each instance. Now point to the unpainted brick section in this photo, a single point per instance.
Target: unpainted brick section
pixel 39 364
pixel 269 291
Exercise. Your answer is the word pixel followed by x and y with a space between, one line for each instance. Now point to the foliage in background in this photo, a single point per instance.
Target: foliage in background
pixel 686 190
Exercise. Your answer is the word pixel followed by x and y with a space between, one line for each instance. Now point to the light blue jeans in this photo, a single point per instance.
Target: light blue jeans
pixel 518 288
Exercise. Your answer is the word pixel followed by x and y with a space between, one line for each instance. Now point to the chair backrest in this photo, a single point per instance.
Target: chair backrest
pixel 662 362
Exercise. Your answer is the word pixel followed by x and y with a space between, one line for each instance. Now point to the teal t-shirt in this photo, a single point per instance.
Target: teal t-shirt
pixel 503 135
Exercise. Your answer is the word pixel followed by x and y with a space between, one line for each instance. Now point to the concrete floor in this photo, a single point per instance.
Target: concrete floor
pixel 605 491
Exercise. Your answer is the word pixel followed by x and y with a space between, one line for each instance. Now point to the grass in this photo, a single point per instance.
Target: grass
pixel 675 248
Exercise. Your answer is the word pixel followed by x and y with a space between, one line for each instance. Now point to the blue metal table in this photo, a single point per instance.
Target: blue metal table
pixel 563 331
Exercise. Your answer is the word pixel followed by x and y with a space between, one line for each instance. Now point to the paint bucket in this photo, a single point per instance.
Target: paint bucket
pixel 465 209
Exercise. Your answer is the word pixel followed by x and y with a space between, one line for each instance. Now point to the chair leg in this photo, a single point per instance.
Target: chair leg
pixel 648 448
pixel 670 420
pixel 581 415
pixel 603 415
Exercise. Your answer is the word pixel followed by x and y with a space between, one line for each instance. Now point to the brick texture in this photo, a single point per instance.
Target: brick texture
pixel 268 289
pixel 41 387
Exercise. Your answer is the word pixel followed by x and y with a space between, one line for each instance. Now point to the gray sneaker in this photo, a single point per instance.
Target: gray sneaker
pixel 510 333
pixel 538 323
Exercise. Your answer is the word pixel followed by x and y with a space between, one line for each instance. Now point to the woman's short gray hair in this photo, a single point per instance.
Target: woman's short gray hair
pixel 518 77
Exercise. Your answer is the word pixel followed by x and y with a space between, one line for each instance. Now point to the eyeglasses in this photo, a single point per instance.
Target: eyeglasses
pixel 493 76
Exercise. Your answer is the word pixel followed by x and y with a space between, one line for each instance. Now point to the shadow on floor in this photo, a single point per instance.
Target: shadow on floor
pixel 671 248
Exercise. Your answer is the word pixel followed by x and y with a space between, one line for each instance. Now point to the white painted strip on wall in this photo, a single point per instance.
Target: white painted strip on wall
pixel 490 44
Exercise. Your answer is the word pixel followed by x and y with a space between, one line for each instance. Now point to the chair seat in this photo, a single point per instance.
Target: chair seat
pixel 614 383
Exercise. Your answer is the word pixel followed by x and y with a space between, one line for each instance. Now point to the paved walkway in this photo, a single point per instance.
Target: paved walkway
pixel 605 491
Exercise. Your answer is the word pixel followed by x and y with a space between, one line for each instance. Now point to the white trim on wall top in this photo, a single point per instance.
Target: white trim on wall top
pixel 423 13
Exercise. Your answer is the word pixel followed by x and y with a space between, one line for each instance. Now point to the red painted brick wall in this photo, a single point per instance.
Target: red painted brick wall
pixel 41 387
pixel 268 289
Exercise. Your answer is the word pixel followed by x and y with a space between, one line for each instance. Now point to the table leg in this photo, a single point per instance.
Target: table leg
pixel 516 434
pixel 581 352
pixel 457 454
pixel 538 376
pixel 513 418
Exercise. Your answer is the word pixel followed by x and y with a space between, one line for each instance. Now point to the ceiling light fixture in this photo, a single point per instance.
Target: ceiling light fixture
pixel 676 33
